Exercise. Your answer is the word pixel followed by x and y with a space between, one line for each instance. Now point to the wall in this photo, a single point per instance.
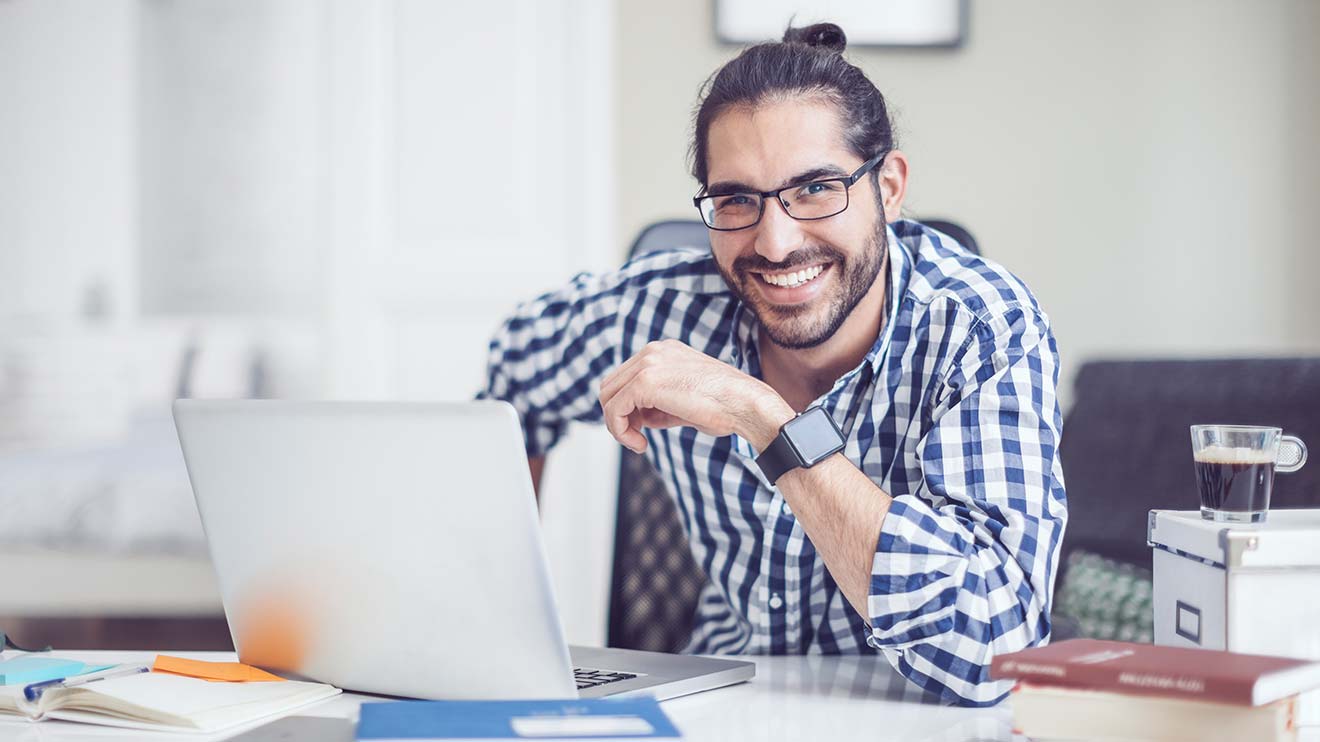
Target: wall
pixel 1150 169
pixel 67 80
pixel 67 222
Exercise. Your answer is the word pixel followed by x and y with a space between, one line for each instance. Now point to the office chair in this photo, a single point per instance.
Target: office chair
pixel 672 233
pixel 1126 449
pixel 956 231
pixel 656 582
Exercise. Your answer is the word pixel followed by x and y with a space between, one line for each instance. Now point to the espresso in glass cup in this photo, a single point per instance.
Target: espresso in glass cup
pixel 1235 467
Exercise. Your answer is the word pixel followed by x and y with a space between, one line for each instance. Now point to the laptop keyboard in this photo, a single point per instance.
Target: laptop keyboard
pixel 588 678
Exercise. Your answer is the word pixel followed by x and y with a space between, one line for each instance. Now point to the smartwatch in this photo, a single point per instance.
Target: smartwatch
pixel 804 441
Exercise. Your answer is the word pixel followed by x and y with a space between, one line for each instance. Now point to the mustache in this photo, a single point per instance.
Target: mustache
pixel 804 257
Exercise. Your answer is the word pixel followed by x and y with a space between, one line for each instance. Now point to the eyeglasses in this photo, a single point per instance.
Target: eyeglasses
pixel 817 199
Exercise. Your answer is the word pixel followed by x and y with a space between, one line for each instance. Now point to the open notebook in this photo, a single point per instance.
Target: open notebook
pixel 165 702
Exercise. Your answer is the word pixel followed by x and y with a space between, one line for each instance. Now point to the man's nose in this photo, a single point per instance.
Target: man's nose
pixel 778 235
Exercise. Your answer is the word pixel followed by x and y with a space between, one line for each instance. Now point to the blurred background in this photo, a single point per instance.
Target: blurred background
pixel 295 198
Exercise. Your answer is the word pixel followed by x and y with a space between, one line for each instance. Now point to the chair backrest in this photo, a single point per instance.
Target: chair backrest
pixel 956 231
pixel 670 235
pixel 1126 447
pixel 656 583
pixel 674 233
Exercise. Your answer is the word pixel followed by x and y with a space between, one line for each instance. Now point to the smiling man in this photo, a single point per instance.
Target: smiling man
pixel 856 415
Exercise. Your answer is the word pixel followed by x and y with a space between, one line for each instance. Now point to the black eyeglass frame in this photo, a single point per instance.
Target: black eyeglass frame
pixel 847 180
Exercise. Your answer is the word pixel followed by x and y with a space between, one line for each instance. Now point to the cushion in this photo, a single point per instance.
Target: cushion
pixel 1101 598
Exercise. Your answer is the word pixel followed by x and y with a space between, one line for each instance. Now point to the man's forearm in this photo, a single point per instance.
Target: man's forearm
pixel 840 508
pixel 668 384
pixel 841 511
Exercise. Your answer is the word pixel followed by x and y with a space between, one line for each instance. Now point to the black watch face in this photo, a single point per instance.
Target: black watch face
pixel 813 435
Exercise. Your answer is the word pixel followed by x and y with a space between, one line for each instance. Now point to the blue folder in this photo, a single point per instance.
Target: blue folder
pixel 595 719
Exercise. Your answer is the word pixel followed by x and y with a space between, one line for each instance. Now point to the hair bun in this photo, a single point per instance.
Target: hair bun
pixel 818 35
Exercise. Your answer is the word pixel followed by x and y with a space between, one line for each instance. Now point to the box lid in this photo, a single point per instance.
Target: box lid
pixel 1287 538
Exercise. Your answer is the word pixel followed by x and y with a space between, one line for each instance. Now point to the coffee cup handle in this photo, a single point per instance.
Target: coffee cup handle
pixel 1292 454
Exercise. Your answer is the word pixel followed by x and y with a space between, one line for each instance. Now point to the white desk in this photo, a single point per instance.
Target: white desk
pixel 792 698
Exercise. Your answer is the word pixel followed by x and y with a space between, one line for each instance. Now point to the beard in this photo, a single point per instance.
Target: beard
pixel 807 325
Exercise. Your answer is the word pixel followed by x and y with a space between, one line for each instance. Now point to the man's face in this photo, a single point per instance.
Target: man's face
pixel 770 147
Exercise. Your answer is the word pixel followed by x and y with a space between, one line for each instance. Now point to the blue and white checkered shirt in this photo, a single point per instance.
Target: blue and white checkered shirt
pixel 952 412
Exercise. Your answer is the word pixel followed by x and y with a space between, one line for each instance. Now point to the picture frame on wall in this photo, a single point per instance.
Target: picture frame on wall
pixel 939 24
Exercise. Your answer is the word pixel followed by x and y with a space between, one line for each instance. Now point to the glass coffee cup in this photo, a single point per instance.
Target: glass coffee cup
pixel 1235 466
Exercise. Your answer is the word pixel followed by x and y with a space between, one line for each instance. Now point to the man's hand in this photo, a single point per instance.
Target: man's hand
pixel 668 384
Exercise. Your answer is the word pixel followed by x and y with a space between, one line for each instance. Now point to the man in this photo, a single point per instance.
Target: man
pixel 926 525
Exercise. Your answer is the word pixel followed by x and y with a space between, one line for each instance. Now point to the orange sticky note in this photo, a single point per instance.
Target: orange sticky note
pixel 222 672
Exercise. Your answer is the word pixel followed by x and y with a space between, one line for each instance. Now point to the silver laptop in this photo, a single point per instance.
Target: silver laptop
pixel 395 548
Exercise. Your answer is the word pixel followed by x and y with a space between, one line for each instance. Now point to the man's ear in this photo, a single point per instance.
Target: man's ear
pixel 893 184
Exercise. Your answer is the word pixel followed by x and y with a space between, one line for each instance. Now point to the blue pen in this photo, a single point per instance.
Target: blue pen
pixel 34 691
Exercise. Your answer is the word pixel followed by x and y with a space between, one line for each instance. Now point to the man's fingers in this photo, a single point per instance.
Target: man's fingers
pixel 618 412
pixel 647 417
pixel 665 385
pixel 620 377
pixel 626 416
pixel 617 423
pixel 632 439
pixel 643 358
pixel 632 436
pixel 653 418
pixel 628 431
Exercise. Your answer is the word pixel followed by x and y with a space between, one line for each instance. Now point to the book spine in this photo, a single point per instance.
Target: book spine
pixel 1125 680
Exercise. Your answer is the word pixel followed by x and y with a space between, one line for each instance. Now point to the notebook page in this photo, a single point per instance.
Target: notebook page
pixel 206 733
pixel 176 701
pixel 9 695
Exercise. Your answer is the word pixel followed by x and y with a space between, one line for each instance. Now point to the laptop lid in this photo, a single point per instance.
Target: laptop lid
pixel 384 547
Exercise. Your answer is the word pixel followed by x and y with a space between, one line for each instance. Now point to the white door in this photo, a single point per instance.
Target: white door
pixel 470 170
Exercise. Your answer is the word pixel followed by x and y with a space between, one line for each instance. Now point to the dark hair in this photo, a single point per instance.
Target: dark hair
pixel 809 61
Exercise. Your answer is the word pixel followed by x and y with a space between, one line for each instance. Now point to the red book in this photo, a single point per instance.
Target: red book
pixel 1146 669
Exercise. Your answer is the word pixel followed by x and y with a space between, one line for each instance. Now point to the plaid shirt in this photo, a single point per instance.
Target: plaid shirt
pixel 952 412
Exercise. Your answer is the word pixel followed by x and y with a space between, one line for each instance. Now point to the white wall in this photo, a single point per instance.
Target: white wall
pixel 67 219
pixel 1151 169
pixel 67 82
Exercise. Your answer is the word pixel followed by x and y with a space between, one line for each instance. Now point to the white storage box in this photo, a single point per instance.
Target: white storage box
pixel 1250 588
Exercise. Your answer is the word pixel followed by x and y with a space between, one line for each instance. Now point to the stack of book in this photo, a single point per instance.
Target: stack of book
pixel 1092 689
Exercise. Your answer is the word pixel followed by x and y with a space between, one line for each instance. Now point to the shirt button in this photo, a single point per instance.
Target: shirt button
pixel 776 602
pixel 785 509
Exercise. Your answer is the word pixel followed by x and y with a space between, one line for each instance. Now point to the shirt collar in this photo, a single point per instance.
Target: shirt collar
pixel 900 270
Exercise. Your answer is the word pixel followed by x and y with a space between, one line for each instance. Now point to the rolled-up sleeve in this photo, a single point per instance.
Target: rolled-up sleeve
pixel 547 359
pixel 964 567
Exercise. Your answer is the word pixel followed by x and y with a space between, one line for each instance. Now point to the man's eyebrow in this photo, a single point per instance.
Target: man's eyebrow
pixel 816 173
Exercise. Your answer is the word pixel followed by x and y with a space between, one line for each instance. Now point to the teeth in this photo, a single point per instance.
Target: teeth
pixel 792 279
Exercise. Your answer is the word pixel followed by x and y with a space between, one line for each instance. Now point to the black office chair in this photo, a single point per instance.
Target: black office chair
pixel 956 231
pixel 656 582
pixel 1126 447
pixel 673 233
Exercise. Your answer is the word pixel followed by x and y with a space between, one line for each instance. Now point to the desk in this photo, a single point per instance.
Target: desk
pixel 791 698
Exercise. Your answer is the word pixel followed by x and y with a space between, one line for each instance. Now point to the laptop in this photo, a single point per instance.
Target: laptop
pixel 395 548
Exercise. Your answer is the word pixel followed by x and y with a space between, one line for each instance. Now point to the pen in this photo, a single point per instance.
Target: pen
pixel 34 691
